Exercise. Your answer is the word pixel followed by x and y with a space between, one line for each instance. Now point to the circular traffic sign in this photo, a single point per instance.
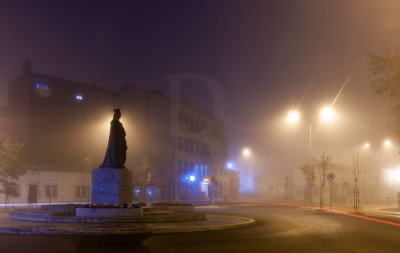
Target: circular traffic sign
pixel 330 176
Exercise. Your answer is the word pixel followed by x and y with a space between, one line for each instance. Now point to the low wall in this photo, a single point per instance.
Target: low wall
pixel 177 209
pixel 109 212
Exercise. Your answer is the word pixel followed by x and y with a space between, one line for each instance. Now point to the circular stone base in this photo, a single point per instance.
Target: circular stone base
pixel 102 217
pixel 212 222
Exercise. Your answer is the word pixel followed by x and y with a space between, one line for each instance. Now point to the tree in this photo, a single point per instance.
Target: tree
pixel 323 170
pixel 385 74
pixel 356 175
pixel 12 165
pixel 309 174
pixel 89 163
pixel 145 167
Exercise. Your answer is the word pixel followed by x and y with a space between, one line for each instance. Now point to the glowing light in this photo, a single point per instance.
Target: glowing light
pixel 387 143
pixel 391 176
pixel 192 178
pixel 293 117
pixel 206 180
pixel 246 152
pixel 229 165
pixel 366 145
pixel 79 97
pixel 327 114
pixel 42 86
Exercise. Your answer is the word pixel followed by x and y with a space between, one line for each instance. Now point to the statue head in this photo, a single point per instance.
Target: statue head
pixel 117 114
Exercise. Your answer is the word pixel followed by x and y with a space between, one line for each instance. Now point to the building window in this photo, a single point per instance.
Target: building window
pixel 42 86
pixel 191 125
pixel 191 146
pixel 179 144
pixel 185 145
pixel 179 167
pixel 137 192
pixel 191 167
pixel 50 191
pixel 81 191
pixel 185 167
pixel 15 190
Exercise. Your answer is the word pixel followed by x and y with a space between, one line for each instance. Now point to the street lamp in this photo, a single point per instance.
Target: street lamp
pixel 387 144
pixel 293 116
pixel 246 152
pixel 327 114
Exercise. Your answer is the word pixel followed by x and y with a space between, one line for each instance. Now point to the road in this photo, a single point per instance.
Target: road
pixel 278 229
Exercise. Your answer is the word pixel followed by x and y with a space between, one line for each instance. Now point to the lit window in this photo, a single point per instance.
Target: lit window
pixel 79 97
pixel 42 86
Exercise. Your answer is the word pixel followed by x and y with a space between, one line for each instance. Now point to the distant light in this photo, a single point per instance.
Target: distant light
pixel 206 180
pixel 293 117
pixel 79 97
pixel 392 176
pixel 327 114
pixel 229 165
pixel 246 152
pixel 42 86
pixel 192 178
pixel 366 145
pixel 387 143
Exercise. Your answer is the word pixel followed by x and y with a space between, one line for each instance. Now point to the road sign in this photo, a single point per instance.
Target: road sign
pixel 330 176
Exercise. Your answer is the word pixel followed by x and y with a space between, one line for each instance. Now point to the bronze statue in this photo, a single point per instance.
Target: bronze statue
pixel 116 149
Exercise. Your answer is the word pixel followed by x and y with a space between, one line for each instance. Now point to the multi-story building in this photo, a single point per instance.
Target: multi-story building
pixel 62 122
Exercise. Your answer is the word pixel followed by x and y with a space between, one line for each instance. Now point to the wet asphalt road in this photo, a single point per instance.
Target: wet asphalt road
pixel 278 229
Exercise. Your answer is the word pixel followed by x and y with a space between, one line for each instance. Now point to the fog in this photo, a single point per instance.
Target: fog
pixel 267 58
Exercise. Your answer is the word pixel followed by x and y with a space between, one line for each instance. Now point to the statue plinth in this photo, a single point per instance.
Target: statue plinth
pixel 111 186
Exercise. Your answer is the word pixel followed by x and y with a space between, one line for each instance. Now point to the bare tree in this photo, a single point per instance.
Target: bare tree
pixel 89 163
pixel 323 170
pixel 356 174
pixel 145 170
pixel 12 165
pixel 308 170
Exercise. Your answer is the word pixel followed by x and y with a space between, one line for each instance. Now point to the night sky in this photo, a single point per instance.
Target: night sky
pixel 264 54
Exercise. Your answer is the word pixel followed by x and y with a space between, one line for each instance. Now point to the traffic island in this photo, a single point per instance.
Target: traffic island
pixel 156 224
pixel 105 214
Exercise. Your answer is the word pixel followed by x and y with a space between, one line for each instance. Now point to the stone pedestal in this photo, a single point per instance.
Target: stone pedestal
pixel 111 186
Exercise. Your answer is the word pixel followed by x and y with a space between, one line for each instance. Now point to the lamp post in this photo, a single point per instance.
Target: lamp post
pixel 327 114
pixel 386 145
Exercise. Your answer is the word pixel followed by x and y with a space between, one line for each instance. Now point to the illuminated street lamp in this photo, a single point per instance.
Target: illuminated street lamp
pixel 327 114
pixel 387 145
pixel 293 116
pixel 246 152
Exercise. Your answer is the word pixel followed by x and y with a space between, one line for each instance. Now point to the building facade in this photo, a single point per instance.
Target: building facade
pixel 174 146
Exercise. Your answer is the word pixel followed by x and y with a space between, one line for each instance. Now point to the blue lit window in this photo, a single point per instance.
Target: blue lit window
pixel 42 86
pixel 79 97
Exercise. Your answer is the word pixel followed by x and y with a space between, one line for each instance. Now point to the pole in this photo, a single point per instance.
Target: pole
pixel 309 142
pixel 330 193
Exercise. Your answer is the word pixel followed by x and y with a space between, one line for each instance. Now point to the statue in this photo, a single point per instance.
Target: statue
pixel 116 149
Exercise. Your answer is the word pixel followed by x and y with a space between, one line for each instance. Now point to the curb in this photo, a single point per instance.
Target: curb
pixel 225 222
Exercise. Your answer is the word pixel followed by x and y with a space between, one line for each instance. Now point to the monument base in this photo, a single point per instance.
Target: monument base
pixel 111 186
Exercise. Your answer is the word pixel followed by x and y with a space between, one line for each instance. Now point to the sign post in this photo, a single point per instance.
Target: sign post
pixel 331 177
